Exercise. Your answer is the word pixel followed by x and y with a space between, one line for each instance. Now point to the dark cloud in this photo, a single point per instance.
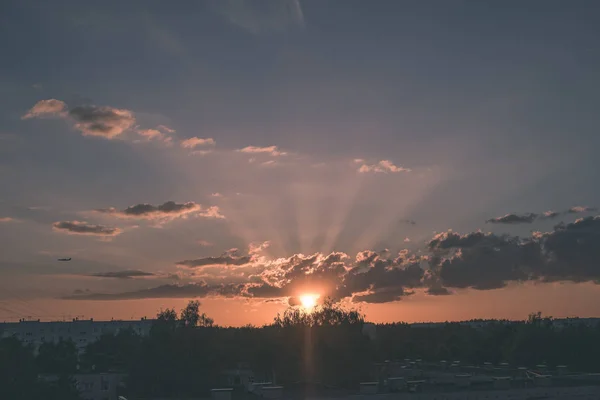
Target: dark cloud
pixel 481 260
pixel 125 274
pixel 167 210
pixel 382 296
pixel 573 251
pixel 163 291
pixel 228 258
pixel 192 290
pixel 475 260
pixel 382 278
pixel 528 218
pixel 83 228
pixel 103 121
pixel 450 240
pixel 514 219
pixel 437 290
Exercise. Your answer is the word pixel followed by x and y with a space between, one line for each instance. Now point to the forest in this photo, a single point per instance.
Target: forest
pixel 185 353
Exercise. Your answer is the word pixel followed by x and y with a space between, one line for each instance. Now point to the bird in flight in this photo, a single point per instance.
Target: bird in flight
pixel 64 259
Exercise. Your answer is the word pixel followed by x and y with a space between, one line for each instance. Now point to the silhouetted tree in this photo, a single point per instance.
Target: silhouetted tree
pixel 57 358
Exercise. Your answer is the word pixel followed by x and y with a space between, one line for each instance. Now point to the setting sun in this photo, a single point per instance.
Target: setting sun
pixel 308 301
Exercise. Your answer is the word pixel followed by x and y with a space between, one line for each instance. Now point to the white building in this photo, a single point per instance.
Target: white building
pixel 81 332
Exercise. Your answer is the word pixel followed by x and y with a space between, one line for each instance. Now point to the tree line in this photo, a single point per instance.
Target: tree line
pixel 186 353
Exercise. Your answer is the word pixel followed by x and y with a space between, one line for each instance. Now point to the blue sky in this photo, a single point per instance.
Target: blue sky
pixel 445 114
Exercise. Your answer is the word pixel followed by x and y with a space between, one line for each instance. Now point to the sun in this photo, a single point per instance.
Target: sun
pixel 309 301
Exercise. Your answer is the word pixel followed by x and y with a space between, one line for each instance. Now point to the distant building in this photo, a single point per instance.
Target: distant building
pixel 81 332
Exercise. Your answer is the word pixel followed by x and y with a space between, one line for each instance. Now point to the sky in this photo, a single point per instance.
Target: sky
pixel 416 160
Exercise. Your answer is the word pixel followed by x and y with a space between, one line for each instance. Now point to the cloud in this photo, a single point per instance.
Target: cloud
pixel 257 248
pixel 124 274
pixel 102 121
pixel 163 291
pixel 407 221
pixel 573 251
pixel 83 228
pixel 7 219
pixel 449 240
pixel 150 133
pixel 165 129
pixel 382 296
pixel 531 217
pixel 90 120
pixel 166 211
pixel 514 219
pixel 474 260
pixel 270 150
pixel 383 166
pixel 194 142
pixel 46 108
pixel 549 214
pixel 228 258
pixel 581 209
pixel 204 243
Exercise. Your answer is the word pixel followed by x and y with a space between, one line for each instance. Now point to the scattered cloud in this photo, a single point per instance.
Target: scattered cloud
pixel 150 133
pixel 124 274
pixel 83 228
pixel 581 209
pixel 549 214
pixel 167 211
pixel 474 260
pixel 205 243
pixel 514 219
pixel 102 121
pixel 7 219
pixel 529 218
pixel 47 108
pixel 163 291
pixel 165 129
pixel 216 194
pixel 383 166
pixel 270 150
pixel 228 258
pixel 257 248
pixel 194 142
